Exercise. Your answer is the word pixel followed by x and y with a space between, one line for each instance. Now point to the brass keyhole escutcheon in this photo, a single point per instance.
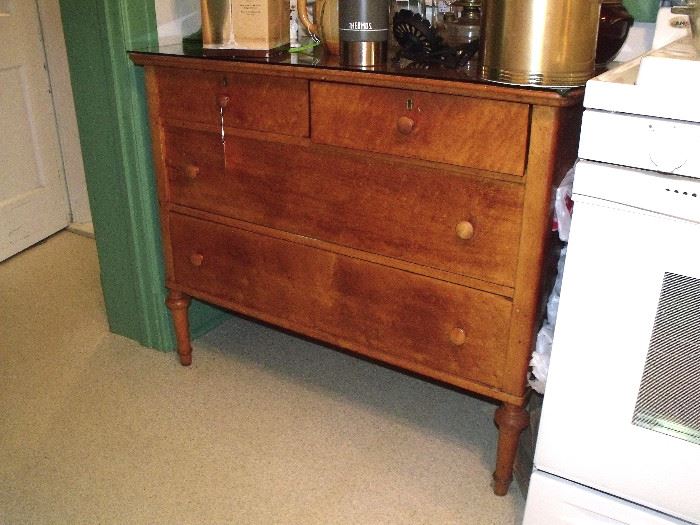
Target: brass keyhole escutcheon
pixel 409 104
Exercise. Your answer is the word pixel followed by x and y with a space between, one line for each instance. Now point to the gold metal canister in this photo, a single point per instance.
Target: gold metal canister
pixel 539 42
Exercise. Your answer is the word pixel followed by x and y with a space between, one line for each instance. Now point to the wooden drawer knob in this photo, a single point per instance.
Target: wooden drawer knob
pixel 223 100
pixel 191 171
pixel 465 230
pixel 196 259
pixel 457 336
pixel 405 125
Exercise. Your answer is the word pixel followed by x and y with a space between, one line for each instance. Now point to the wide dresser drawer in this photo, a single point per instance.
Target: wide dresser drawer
pixel 445 220
pixel 477 133
pixel 252 102
pixel 422 324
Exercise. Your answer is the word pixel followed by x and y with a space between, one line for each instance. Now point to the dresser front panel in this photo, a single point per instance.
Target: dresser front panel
pixel 409 319
pixel 477 133
pixel 389 208
pixel 252 102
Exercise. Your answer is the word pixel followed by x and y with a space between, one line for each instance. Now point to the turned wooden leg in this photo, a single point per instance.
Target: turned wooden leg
pixel 511 420
pixel 178 303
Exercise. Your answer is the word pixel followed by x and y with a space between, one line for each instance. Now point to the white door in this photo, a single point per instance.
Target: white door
pixel 33 197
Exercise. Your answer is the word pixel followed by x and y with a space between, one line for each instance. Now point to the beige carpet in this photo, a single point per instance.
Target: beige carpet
pixel 264 428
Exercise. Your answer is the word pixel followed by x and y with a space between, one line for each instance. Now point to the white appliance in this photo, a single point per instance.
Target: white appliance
pixel 619 438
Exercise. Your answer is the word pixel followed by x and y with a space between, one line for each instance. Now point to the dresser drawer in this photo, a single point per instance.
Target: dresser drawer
pixel 410 320
pixel 195 166
pixel 253 102
pixel 461 224
pixel 477 133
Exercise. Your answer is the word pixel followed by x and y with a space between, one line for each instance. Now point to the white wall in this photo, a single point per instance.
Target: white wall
pixel 176 18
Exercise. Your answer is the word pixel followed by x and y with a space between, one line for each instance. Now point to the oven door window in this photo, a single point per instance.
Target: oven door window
pixel 669 396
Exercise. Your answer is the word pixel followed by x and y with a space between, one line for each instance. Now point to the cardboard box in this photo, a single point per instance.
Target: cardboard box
pixel 245 27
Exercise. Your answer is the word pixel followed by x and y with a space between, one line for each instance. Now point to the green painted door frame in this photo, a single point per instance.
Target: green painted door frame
pixel 112 119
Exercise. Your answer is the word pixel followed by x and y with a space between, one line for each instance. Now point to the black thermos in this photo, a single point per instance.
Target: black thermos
pixel 364 32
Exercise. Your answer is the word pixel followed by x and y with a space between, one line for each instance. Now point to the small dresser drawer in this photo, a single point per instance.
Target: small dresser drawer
pixel 460 224
pixel 253 102
pixel 476 133
pixel 410 320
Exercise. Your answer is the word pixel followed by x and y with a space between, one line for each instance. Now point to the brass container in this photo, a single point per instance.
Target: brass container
pixel 539 42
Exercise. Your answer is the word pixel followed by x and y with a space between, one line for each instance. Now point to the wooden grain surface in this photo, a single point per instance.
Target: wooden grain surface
pixel 553 135
pixel 364 304
pixel 256 102
pixel 488 135
pixel 390 208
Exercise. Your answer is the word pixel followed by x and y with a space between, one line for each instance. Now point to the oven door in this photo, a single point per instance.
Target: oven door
pixel 622 407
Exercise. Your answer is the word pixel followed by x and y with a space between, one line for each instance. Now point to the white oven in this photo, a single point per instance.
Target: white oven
pixel 619 438
pixel 622 406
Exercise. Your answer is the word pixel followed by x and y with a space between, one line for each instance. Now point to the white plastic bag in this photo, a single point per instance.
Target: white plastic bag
pixel 539 363
pixel 563 205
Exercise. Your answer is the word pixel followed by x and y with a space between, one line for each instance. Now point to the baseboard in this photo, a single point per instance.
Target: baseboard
pixel 82 228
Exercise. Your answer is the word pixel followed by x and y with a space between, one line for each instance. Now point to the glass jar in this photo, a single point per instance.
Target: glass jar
pixel 463 23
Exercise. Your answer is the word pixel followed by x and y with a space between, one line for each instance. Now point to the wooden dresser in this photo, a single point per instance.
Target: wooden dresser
pixel 402 216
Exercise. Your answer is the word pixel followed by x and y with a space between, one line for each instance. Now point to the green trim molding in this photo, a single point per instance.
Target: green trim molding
pixel 642 10
pixel 112 119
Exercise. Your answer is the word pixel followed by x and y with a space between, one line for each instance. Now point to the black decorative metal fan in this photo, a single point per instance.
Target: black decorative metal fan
pixel 421 44
pixel 414 35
